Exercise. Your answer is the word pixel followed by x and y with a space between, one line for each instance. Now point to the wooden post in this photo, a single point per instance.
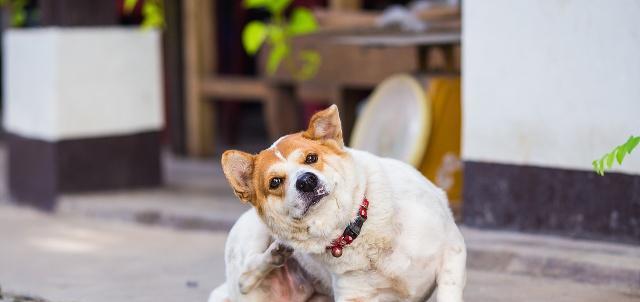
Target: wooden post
pixel 199 60
pixel 345 5
pixel 280 111
pixel 346 105
pixel 174 75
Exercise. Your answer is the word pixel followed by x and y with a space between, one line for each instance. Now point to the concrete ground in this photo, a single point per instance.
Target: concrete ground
pixel 61 258
pixel 65 258
pixel 167 245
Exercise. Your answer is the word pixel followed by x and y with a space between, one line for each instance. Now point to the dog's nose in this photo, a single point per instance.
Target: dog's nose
pixel 307 182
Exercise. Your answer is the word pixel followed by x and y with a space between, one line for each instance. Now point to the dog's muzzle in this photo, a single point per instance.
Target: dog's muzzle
pixel 310 190
pixel 307 182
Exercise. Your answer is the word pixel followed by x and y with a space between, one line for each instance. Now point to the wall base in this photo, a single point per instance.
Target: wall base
pixel 39 170
pixel 548 200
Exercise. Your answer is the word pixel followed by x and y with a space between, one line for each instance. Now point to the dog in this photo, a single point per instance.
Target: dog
pixel 330 223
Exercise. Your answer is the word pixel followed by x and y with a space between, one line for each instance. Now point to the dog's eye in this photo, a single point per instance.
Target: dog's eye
pixel 311 158
pixel 275 182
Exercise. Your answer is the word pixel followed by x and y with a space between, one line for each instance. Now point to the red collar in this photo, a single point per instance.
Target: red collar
pixel 351 232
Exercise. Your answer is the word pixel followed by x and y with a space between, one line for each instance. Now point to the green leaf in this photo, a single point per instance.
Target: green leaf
pixel 302 22
pixel 632 143
pixel 129 5
pixel 153 21
pixel 273 6
pixel 277 6
pixel 19 17
pixel 311 63
pixel 150 9
pixel 253 36
pixel 620 154
pixel 278 52
pixel 153 15
pixel 256 3
pixel 610 157
pixel 601 165
pixel 276 34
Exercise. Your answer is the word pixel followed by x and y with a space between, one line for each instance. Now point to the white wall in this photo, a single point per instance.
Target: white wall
pixel 63 83
pixel 550 83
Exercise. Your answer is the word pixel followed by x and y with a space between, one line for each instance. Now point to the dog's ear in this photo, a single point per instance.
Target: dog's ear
pixel 238 168
pixel 325 125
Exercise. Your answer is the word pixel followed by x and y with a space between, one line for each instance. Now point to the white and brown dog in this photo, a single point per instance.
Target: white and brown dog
pixel 362 228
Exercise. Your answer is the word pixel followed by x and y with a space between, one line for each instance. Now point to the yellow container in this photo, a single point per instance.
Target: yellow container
pixel 441 162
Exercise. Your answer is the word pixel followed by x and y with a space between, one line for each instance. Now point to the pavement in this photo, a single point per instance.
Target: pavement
pixel 62 258
pixel 167 244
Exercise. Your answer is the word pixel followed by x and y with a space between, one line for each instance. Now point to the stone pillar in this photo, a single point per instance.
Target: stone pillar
pixel 83 110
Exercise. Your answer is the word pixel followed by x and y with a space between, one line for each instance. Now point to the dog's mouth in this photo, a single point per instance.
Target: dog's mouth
pixel 313 198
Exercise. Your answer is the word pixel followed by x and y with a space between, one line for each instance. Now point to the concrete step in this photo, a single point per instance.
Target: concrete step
pixel 583 261
pixel 167 207
pixel 196 196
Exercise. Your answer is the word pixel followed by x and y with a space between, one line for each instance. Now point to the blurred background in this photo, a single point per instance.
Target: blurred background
pixel 115 113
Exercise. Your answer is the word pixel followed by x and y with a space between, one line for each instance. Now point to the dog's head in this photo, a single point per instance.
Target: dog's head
pixel 299 184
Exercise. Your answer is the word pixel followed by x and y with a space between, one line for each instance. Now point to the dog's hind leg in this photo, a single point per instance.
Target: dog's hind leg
pixel 258 266
pixel 452 275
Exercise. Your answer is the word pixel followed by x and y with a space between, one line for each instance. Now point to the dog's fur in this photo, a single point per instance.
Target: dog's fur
pixel 408 245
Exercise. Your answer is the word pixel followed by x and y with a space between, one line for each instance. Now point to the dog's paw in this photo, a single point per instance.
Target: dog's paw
pixel 279 253
pixel 246 286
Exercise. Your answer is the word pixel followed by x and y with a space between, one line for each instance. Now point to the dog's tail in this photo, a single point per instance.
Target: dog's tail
pixel 220 294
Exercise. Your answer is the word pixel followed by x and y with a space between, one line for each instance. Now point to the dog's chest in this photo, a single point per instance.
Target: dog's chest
pixel 357 273
pixel 383 279
pixel 398 262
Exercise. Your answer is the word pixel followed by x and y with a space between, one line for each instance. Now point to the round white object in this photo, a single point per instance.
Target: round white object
pixel 395 121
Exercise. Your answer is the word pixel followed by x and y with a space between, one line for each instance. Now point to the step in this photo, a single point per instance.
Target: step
pixel 583 261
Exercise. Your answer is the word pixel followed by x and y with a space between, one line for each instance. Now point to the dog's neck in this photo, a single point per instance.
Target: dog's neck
pixel 351 232
pixel 379 210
